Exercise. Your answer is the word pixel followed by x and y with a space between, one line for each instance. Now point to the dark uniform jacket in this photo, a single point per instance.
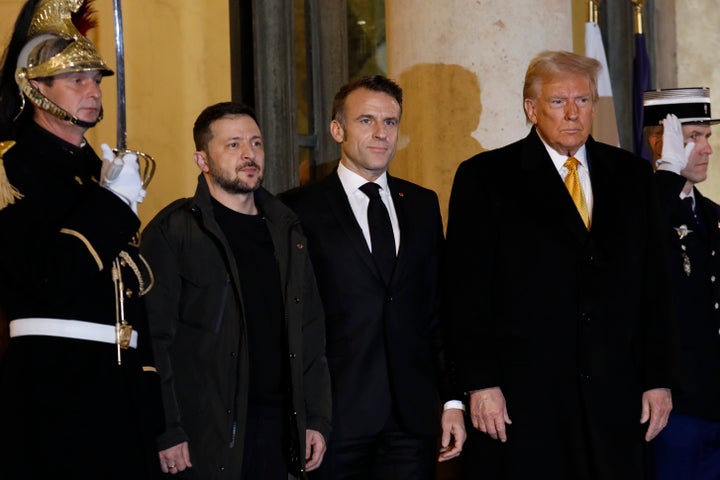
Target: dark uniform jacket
pixel 200 335
pixel 694 264
pixel 572 325
pixel 68 410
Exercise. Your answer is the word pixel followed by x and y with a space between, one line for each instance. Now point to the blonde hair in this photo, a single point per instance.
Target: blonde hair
pixel 550 64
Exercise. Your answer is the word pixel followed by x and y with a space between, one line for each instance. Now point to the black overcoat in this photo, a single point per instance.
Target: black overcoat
pixel 572 325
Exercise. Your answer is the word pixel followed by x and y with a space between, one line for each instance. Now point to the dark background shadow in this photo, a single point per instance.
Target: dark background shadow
pixel 441 110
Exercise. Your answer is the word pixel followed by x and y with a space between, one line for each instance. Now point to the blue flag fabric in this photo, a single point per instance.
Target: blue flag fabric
pixel 641 83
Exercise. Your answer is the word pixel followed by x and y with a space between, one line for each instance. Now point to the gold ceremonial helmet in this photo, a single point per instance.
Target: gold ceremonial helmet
pixel 55 47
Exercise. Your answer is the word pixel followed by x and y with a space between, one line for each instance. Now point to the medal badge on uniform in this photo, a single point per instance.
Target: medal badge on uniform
pixel 683 231
pixel 687 268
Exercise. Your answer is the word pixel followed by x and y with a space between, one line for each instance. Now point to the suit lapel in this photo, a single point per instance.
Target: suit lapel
pixel 546 189
pixel 340 207
pixel 404 224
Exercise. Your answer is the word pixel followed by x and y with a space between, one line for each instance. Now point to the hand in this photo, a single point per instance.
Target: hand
pixel 489 412
pixel 674 154
pixel 121 175
pixel 314 449
pixel 453 434
pixel 656 407
pixel 175 459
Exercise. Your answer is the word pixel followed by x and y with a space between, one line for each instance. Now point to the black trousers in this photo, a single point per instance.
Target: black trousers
pixel 391 454
pixel 264 455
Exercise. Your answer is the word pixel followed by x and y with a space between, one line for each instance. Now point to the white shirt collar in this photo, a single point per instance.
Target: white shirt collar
pixel 559 159
pixel 352 182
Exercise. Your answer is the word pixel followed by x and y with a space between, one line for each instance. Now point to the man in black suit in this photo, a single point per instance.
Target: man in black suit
pixel 380 294
pixel 677 130
pixel 557 293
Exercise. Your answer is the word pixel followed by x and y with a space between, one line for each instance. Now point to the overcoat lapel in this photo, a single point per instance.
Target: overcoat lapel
pixel 340 207
pixel 546 189
pixel 605 199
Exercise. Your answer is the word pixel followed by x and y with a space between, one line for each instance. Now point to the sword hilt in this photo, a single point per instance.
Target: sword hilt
pixel 146 162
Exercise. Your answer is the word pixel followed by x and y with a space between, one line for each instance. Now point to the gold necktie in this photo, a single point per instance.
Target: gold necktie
pixel 572 182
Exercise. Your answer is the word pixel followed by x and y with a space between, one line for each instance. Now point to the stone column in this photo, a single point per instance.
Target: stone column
pixel 462 64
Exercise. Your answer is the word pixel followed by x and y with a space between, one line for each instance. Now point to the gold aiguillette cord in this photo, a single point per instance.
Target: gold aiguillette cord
pixel 123 330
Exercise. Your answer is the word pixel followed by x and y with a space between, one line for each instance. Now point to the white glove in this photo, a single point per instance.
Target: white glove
pixel 674 155
pixel 121 175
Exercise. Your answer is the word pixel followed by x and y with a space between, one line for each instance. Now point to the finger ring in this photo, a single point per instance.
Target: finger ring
pixel 171 466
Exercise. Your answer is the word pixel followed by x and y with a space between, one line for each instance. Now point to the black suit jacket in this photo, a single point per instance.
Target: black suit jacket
pixel 571 324
pixel 694 265
pixel 383 341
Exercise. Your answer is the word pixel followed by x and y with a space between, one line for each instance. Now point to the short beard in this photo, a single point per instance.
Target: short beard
pixel 234 185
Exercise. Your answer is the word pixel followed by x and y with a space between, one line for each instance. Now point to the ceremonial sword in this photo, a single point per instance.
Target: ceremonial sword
pixel 147 163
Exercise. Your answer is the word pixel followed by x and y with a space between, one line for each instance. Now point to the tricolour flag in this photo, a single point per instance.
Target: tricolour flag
pixel 641 83
pixel 605 125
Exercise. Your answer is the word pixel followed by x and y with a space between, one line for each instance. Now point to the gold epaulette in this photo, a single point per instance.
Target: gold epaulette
pixel 8 193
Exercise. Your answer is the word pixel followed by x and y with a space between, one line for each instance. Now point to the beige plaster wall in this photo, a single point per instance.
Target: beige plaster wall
pixel 8 13
pixel 177 61
pixel 462 66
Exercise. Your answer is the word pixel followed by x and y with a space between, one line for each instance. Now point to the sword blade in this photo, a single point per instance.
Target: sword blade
pixel 120 77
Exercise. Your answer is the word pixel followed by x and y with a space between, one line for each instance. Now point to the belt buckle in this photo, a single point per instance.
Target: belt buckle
pixel 124 334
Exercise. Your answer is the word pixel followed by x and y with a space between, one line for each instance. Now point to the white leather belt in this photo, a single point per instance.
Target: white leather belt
pixel 56 327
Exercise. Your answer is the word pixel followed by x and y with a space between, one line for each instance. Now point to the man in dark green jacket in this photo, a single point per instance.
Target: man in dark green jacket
pixel 236 318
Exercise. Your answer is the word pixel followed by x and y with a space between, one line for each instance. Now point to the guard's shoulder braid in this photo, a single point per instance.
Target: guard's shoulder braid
pixel 8 193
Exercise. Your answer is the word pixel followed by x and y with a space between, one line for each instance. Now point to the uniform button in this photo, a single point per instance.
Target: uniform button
pixel 228 411
pixel 300 246
pixel 683 247
pixel 584 377
pixel 586 317
pixel 717 305
pixel 128 293
pixel 233 354
pixel 297 300
pixel 222 468
pixel 712 278
pixel 294 413
pixel 292 355
pixel 389 299
pixel 712 254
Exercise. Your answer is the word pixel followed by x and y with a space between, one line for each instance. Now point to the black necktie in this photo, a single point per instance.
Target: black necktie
pixel 690 203
pixel 381 232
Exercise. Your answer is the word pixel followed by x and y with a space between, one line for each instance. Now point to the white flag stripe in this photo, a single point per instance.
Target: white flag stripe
pixel 605 124
pixel 594 48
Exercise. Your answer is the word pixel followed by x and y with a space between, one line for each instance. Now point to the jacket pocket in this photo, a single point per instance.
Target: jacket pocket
pixel 204 299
